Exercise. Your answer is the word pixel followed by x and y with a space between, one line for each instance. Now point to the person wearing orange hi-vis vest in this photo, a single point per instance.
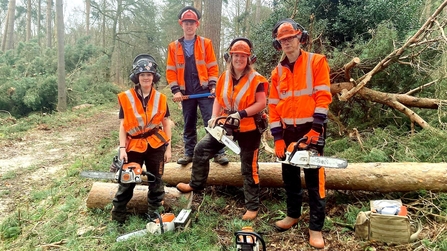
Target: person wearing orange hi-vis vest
pixel 299 101
pixel 240 95
pixel 144 135
pixel 192 69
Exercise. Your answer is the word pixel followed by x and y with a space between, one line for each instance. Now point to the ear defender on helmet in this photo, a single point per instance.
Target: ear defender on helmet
pixel 240 45
pixel 288 28
pixel 189 13
pixel 144 63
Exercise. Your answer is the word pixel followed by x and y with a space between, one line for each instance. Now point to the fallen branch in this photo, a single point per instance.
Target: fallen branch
pixel 393 56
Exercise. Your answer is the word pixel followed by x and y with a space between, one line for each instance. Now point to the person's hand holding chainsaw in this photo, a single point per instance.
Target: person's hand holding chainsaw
pixel 280 148
pixel 212 122
pixel 314 133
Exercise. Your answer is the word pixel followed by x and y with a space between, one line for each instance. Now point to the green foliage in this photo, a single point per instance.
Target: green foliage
pixel 28 77
pixel 390 145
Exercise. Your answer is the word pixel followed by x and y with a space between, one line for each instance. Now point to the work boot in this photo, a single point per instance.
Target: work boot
pixel 184 188
pixel 285 224
pixel 221 159
pixel 119 217
pixel 316 239
pixel 185 160
pixel 250 215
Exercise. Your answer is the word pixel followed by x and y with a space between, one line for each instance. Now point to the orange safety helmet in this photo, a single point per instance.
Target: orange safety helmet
pixel 189 13
pixel 286 30
pixel 241 47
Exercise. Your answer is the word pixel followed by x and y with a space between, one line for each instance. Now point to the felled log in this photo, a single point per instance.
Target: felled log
pixel 380 177
pixel 102 193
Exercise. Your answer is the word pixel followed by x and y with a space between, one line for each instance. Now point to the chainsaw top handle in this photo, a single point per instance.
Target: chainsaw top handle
pixel 316 146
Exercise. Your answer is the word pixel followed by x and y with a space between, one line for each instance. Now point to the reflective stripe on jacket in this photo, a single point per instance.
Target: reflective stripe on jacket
pixel 295 97
pixel 137 121
pixel 239 97
pixel 206 63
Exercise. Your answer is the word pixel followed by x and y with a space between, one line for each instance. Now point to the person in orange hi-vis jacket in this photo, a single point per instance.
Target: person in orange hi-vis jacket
pixel 241 95
pixel 192 69
pixel 144 135
pixel 298 104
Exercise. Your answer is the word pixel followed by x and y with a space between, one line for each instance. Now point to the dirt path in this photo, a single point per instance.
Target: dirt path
pixel 44 151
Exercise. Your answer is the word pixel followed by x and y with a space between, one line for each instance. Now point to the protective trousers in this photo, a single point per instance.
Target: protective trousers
pixel 315 183
pixel 249 143
pixel 153 159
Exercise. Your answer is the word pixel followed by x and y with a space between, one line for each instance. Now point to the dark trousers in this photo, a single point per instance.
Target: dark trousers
pixel 249 143
pixel 315 184
pixel 154 161
pixel 190 116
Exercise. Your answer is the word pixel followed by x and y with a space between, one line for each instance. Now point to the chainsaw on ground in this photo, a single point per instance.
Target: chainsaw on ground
pixel 223 132
pixel 121 172
pixel 248 240
pixel 307 156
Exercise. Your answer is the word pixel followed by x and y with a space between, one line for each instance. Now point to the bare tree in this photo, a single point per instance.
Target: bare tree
pixel 39 12
pixel 8 39
pixel 5 33
pixel 87 16
pixel 28 20
pixel 61 87
pixel 49 18
pixel 212 22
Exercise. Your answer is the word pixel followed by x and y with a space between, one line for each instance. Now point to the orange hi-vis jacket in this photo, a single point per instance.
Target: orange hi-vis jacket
pixel 206 63
pixel 143 126
pixel 295 97
pixel 239 97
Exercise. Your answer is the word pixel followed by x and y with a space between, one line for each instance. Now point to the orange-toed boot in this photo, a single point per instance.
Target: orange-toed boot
pixel 316 239
pixel 184 188
pixel 286 223
pixel 250 215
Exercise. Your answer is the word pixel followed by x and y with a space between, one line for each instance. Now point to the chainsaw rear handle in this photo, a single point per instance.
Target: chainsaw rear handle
pixel 244 239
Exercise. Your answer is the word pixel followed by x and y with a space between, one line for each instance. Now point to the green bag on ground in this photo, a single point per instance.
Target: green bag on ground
pixel 386 228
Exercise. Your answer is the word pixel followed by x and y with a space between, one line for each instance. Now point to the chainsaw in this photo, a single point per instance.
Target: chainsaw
pixel 223 132
pixel 121 172
pixel 248 240
pixel 307 156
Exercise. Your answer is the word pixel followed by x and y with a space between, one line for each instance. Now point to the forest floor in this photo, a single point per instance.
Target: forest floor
pixel 43 152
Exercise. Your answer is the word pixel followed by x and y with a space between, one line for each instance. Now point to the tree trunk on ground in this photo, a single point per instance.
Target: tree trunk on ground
pixel 380 177
pixel 103 193
pixel 61 86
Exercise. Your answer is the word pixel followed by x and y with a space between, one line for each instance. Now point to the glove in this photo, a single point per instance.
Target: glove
pixel 211 122
pixel 312 136
pixel 236 115
pixel 280 147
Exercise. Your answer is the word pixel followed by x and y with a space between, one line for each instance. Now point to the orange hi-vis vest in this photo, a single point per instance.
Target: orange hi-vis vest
pixel 295 97
pixel 143 127
pixel 206 63
pixel 238 97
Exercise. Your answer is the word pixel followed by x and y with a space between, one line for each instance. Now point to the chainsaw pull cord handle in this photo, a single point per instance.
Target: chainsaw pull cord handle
pixel 244 241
